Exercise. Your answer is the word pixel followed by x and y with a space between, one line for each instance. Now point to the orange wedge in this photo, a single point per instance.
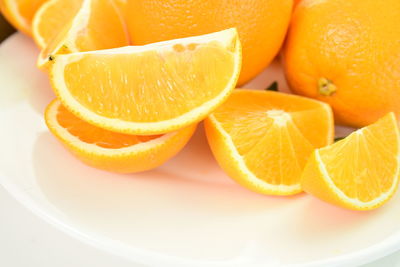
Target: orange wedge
pixel 51 17
pixel 20 12
pixel 262 139
pixel 360 172
pixel 122 6
pixel 151 89
pixel 88 25
pixel 113 151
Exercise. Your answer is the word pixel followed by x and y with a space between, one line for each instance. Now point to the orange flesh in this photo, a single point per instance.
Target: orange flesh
pixel 104 30
pixel 53 46
pixel 152 85
pixel 273 134
pixel 351 163
pixel 56 17
pixel 93 135
pixel 26 9
pixel 265 128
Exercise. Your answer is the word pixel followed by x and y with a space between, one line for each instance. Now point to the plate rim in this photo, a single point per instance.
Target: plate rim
pixel 365 255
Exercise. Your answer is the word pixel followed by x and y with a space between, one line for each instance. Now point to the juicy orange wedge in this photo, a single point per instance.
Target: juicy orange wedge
pixel 149 89
pixel 113 151
pixel 360 172
pixel 20 12
pixel 84 25
pixel 262 139
pixel 51 17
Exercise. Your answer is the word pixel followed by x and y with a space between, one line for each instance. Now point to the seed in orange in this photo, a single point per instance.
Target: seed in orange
pixel 113 151
pixel 262 139
pixel 20 12
pixel 360 172
pixel 262 25
pixel 150 89
pixel 93 25
pixel 346 53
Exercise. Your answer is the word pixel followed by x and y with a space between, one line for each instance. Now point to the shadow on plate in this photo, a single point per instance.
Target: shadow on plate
pixel 190 182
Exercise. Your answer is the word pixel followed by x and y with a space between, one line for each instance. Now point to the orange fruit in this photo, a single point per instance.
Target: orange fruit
pixel 296 2
pixel 20 12
pixel 121 3
pixel 89 25
pixel 150 89
pixel 113 151
pixel 122 6
pixel 51 17
pixel 54 14
pixel 350 60
pixel 360 172
pixel 262 25
pixel 262 139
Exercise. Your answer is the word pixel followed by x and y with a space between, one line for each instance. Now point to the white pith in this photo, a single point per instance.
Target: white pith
pixel 280 117
pixel 223 37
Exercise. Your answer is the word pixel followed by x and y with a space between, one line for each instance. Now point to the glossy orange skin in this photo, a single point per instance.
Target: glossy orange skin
pixel 262 24
pixel 356 45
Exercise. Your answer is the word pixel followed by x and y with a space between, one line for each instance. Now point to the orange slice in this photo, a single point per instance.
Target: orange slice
pixel 149 89
pixel 360 172
pixel 51 17
pixel 122 7
pixel 20 12
pixel 88 25
pixel 113 151
pixel 262 139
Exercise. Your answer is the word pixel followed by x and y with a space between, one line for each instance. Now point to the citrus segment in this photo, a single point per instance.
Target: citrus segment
pixel 113 151
pixel 51 17
pixel 122 9
pixel 96 25
pixel 263 139
pixel 360 172
pixel 149 89
pixel 20 12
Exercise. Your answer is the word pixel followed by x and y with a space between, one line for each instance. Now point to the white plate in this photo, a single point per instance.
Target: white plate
pixel 185 213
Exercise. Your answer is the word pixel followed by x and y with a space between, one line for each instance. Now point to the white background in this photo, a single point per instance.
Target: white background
pixel 26 241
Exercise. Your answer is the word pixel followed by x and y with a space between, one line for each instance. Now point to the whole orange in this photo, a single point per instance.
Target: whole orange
pixel 262 24
pixel 346 53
